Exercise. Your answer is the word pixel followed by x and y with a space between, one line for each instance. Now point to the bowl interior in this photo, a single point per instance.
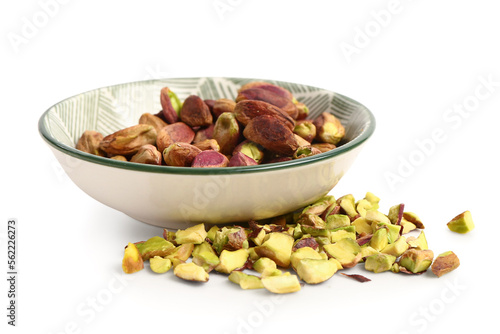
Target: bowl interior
pixel 112 108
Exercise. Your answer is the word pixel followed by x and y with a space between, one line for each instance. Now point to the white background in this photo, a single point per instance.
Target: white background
pixel 415 64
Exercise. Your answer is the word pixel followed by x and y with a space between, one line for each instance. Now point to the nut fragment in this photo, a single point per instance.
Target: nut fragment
pixel 180 154
pixel 278 247
pixel 128 141
pixel 221 106
pixel 240 159
pixel 191 272
pixel 250 149
pixel 416 261
pixel 160 265
pixel 195 112
pixel 306 130
pixel 272 134
pixel 379 262
pixel 462 223
pixel 155 246
pixel 89 142
pixel 444 263
pixel 153 120
pixel 147 154
pixel 208 144
pixel 281 284
pixel 132 260
pixel 268 86
pixel 231 260
pixel 314 271
pixel 194 234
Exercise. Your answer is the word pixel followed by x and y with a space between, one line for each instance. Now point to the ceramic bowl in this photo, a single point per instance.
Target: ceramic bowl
pixel 177 197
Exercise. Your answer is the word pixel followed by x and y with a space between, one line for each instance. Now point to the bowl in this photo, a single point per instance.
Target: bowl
pixel 178 197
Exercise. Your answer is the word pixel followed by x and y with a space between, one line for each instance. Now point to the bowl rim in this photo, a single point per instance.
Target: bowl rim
pixel 366 133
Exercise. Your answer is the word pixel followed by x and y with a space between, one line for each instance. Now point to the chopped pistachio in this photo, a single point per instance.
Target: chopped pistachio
pixel 462 223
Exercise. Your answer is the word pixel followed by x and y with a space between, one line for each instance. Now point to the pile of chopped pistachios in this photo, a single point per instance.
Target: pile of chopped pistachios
pixel 314 242
pixel 264 124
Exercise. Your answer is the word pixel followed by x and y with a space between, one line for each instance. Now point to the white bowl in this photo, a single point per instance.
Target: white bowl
pixel 178 197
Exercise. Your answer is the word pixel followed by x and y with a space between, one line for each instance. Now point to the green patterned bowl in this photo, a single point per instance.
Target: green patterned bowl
pixel 177 197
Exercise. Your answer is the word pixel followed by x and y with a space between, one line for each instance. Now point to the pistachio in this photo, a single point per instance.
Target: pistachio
pixel 152 120
pixel 205 256
pixel 208 144
pixel 210 104
pixel 324 147
pixel 305 151
pixel 160 265
pixel 132 260
pixel 347 204
pixel 415 260
pixel 268 96
pixel 231 260
pixel 195 112
pixel 336 221
pixel 155 246
pixel 272 134
pixel 174 133
pixel 264 263
pixel 379 262
pixel 268 86
pixel 340 233
pixel 128 141
pixel 240 159
pixel 210 158
pixel 194 234
pixel 119 158
pixel 249 109
pixel 212 232
pixel 310 219
pixel 191 272
pixel 379 239
pixel 419 243
pixel 302 142
pixel 305 129
pixel 346 251
pixel 396 248
pixel 221 106
pixel 250 149
pixel 89 143
pixel 320 206
pixel 147 154
pixel 281 284
pixel 362 226
pixel 180 154
pixel 414 219
pixel 236 239
pixel 171 105
pixel 328 129
pixel 314 271
pixel 303 253
pixel 305 242
pixel 278 247
pixel 245 281
pixel 462 223
pixel 204 133
pixel 227 132
pixel 444 263
pixel 181 253
pixel 396 214
pixel 303 110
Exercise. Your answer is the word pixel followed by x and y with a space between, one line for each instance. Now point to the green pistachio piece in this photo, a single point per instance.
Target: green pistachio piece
pixel 407 226
pixel 347 203
pixel 278 247
pixel 231 260
pixel 309 219
pixel 397 248
pixel 191 272
pixel 362 225
pixel 396 214
pixel 195 234
pixel 379 262
pixel 374 200
pixel 204 256
pixel 304 253
pixel 181 253
pixel 246 281
pixel 444 263
pixel 337 220
pixel 414 219
pixel 132 261
pixel 375 216
pixel 155 246
pixel 419 243
pixel 318 207
pixel 367 250
pixel 211 233
pixel 346 251
pixel 462 223
pixel 281 284
pixel 314 271
pixel 264 263
pixel 416 260
pixel 379 239
pixel 393 231
pixel 160 265
pixel 341 234
pixel 362 206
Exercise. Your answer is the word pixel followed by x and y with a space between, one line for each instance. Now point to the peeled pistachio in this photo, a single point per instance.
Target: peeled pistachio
pixel 191 272
pixel 302 109
pixel 336 221
pixel 419 243
pixel 240 159
pixel 278 247
pixel 462 223
pixel 210 159
pixel 195 112
pixel 444 263
pixel 173 133
pixel 221 106
pixel 153 120
pixel 414 219
pixel 379 262
pixel 160 265
pixel 194 234
pixel 318 207
pixel 314 271
pixel 346 251
pixel 171 105
pixel 246 281
pixel 128 141
pixel 132 260
pixel 415 260
pixel 264 263
pixel 304 253
pixel 281 284
pixel 250 149
pixel 397 248
pixel 204 256
pixel 272 134
pixel 181 253
pixel 347 204
pixel 231 260
pixel 208 144
pixel 379 239
pixel 89 142
pixel 155 246
pixel 306 130
pixel 324 147
pixel 227 132
pixel 180 154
